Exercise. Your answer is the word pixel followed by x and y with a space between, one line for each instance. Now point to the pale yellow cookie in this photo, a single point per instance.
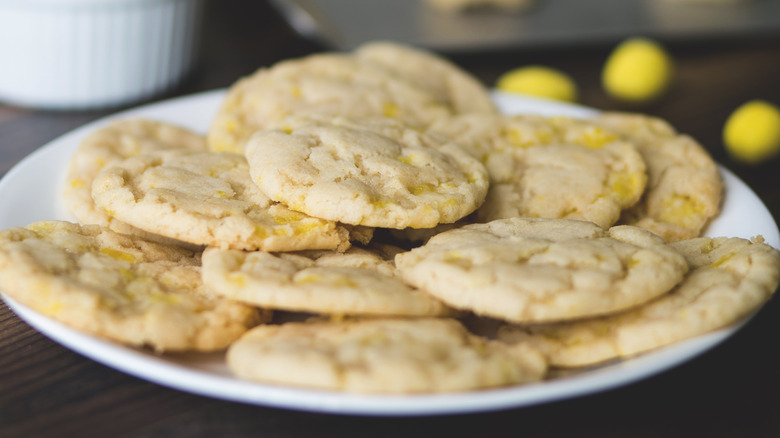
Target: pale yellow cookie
pixel 534 270
pixel 118 286
pixel 356 282
pixel 382 356
pixel 207 198
pixel 684 188
pixel 550 167
pixel 373 172
pixel 729 278
pixel 450 83
pixel 331 83
pixel 108 145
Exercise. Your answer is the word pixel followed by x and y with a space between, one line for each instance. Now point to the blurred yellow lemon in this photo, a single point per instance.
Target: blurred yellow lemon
pixel 539 81
pixel 637 70
pixel 752 132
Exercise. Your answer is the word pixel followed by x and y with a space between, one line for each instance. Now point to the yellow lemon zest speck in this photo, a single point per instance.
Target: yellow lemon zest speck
pixel 390 110
pixel 680 210
pixel 722 260
pixel 419 189
pixel 305 227
pixel 261 232
pixel 117 254
pixel 707 247
pixel 163 298
pixel 237 278
pixel 288 217
pixel 53 308
pixel 596 138
pixel 230 125
pixel 381 203
pixel 625 184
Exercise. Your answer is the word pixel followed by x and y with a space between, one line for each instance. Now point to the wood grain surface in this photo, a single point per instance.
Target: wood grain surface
pixel 733 390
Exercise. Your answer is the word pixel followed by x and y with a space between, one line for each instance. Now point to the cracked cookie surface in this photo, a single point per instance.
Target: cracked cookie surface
pixel 119 287
pixel 375 172
pixel 729 278
pixel 534 270
pixel 414 355
pixel 109 145
pixel 550 167
pixel 335 84
pixel 207 198
pixel 684 189
pixel 457 88
pixel 356 282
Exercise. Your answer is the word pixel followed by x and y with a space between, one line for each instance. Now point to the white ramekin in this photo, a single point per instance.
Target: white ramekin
pixel 91 54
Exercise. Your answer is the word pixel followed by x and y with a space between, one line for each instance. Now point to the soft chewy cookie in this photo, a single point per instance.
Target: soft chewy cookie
pixel 118 286
pixel 534 270
pixel 729 278
pixel 382 356
pixel 450 83
pixel 207 198
pixel 356 282
pixel 684 187
pixel 108 145
pixel 547 167
pixel 331 83
pixel 374 172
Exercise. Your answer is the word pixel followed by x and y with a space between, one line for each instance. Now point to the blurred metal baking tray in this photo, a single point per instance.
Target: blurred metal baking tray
pixel 345 24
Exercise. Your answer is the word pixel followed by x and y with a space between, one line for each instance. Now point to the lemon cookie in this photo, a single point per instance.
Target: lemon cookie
pixel 207 198
pixel 330 83
pixel 356 282
pixel 118 286
pixel 374 172
pixel 108 145
pixel 684 188
pixel 550 167
pixel 533 270
pixel 382 356
pixel 450 83
pixel 729 278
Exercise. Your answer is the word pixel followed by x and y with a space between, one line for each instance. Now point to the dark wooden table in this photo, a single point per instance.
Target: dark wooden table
pixel 732 390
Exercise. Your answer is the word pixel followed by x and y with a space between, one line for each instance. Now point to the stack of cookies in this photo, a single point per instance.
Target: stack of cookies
pixel 350 221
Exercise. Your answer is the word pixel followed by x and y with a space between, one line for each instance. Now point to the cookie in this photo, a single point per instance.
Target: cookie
pixel 729 279
pixel 550 167
pixel 451 84
pixel 374 172
pixel 684 188
pixel 119 287
pixel 108 145
pixel 207 198
pixel 332 83
pixel 356 282
pixel 529 270
pixel 381 356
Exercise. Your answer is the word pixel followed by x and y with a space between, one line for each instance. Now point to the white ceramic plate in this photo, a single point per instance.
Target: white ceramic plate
pixel 31 192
